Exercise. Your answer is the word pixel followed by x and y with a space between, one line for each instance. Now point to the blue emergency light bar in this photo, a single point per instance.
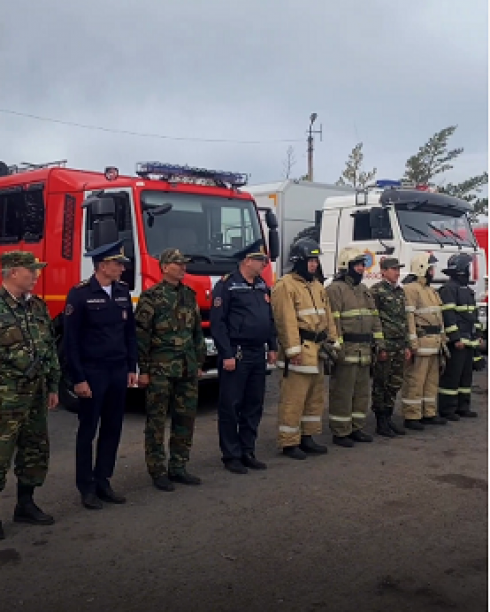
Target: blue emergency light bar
pixel 386 183
pixel 171 171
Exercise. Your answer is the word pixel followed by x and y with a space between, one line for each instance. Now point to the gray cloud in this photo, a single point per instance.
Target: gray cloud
pixel 387 73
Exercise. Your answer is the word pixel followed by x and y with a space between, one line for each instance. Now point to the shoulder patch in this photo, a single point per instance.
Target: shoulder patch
pixel 225 277
pixel 120 282
pixel 83 283
pixel 69 309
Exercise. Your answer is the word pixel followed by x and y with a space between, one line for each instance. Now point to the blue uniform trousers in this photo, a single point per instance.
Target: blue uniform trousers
pixel 241 401
pixel 108 383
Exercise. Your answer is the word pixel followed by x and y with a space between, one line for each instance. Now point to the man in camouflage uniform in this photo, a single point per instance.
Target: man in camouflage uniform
pixel 29 382
pixel 388 375
pixel 171 353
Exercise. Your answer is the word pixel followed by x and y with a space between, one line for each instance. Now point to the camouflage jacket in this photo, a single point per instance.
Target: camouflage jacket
pixel 168 330
pixel 390 302
pixel 27 341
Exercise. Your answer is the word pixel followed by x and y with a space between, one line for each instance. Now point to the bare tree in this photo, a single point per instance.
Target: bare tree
pixel 289 162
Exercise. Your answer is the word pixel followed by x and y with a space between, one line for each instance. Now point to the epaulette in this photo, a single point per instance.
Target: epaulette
pixel 84 283
pixel 123 283
pixel 225 277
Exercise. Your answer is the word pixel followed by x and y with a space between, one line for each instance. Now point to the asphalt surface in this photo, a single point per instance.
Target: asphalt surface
pixel 396 525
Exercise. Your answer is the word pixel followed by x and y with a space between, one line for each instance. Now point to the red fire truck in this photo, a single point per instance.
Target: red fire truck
pixel 59 213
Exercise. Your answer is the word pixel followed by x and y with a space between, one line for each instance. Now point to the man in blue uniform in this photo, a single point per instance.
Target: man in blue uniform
pixel 101 355
pixel 241 325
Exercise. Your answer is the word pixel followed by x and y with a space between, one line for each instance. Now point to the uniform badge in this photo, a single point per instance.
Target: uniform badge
pixel 69 310
pixel 267 298
pixel 124 315
pixel 217 302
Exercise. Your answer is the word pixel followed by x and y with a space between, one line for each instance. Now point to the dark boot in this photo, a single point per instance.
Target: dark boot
pixel 360 436
pixel 343 441
pixel 414 425
pixel 26 510
pixel 183 477
pixel 308 445
pixel 467 414
pixel 397 429
pixel 382 428
pixel 163 483
pixel 294 452
pixel 453 417
pixel 235 467
pixel 107 494
pixel 2 532
pixel 91 501
pixel 435 420
pixel 251 462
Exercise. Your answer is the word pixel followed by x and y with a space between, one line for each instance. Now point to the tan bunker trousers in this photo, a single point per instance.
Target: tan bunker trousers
pixel 419 391
pixel 349 398
pixel 301 407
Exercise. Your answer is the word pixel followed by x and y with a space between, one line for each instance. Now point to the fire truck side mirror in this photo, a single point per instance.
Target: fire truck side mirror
pixel 102 220
pixel 273 244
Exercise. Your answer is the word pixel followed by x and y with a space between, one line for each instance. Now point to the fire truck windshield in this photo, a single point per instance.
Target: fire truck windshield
pixel 434 225
pixel 210 229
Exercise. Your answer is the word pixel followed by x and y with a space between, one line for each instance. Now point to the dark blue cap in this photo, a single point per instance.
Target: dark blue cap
pixel 255 251
pixel 109 252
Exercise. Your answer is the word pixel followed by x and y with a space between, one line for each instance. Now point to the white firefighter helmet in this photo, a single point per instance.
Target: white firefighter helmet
pixel 421 263
pixel 350 255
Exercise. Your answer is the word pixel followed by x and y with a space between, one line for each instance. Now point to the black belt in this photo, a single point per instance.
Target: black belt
pixel 430 329
pixel 368 338
pixel 304 334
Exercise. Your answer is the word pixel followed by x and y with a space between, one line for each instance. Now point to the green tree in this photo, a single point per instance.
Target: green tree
pixel 354 175
pixel 435 158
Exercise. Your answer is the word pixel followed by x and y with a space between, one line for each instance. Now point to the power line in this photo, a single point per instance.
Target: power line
pixel 142 134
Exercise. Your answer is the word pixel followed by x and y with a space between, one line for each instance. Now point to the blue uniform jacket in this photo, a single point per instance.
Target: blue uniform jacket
pixel 98 329
pixel 241 315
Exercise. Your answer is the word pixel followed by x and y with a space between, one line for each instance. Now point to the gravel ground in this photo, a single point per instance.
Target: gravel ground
pixel 397 525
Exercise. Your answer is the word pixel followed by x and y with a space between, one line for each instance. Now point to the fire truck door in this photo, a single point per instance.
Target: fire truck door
pixel 126 230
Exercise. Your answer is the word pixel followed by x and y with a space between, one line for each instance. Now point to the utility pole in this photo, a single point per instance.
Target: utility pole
pixel 311 131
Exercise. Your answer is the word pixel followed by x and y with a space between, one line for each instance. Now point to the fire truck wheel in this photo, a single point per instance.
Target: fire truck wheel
pixel 68 399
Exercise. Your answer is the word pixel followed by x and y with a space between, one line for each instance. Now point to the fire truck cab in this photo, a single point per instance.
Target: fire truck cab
pixel 59 213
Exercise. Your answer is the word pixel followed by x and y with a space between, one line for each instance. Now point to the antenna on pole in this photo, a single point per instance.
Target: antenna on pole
pixel 311 131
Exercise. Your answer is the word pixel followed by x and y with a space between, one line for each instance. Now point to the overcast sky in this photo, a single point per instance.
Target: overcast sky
pixel 386 72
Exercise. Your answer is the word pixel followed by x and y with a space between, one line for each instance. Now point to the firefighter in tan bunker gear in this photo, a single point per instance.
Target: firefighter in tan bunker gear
pixel 359 330
pixel 427 340
pixel 303 321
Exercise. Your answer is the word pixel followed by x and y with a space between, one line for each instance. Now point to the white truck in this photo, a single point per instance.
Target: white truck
pixel 386 219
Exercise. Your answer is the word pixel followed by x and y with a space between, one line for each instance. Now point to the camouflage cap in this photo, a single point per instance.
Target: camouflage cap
pixel 21 259
pixel 390 262
pixel 170 256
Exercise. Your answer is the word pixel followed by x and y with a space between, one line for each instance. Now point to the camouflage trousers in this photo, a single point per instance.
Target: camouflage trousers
pixel 176 397
pixel 23 426
pixel 388 380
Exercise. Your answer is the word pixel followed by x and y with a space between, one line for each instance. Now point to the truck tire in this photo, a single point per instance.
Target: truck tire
pixel 313 233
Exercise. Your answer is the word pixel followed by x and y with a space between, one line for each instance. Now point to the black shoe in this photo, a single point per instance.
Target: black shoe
pixel 184 478
pixel 343 441
pixel 251 462
pixel 26 511
pixel 308 445
pixel 106 493
pixel 2 532
pixel 163 483
pixel 383 428
pixel 397 429
pixel 467 414
pixel 435 420
pixel 452 417
pixel 294 452
pixel 360 436
pixel 91 501
pixel 414 425
pixel 235 467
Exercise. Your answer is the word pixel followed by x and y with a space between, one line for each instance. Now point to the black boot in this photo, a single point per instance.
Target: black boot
pixel 106 493
pixel 360 436
pixel 163 483
pixel 250 461
pixel 308 445
pixel 414 425
pixel 2 532
pixel 383 428
pixel 467 414
pixel 26 510
pixel 235 466
pixel 435 420
pixel 397 429
pixel 451 416
pixel 294 452
pixel 343 441
pixel 183 477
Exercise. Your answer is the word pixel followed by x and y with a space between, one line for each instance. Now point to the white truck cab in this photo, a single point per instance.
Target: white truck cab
pixel 391 219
